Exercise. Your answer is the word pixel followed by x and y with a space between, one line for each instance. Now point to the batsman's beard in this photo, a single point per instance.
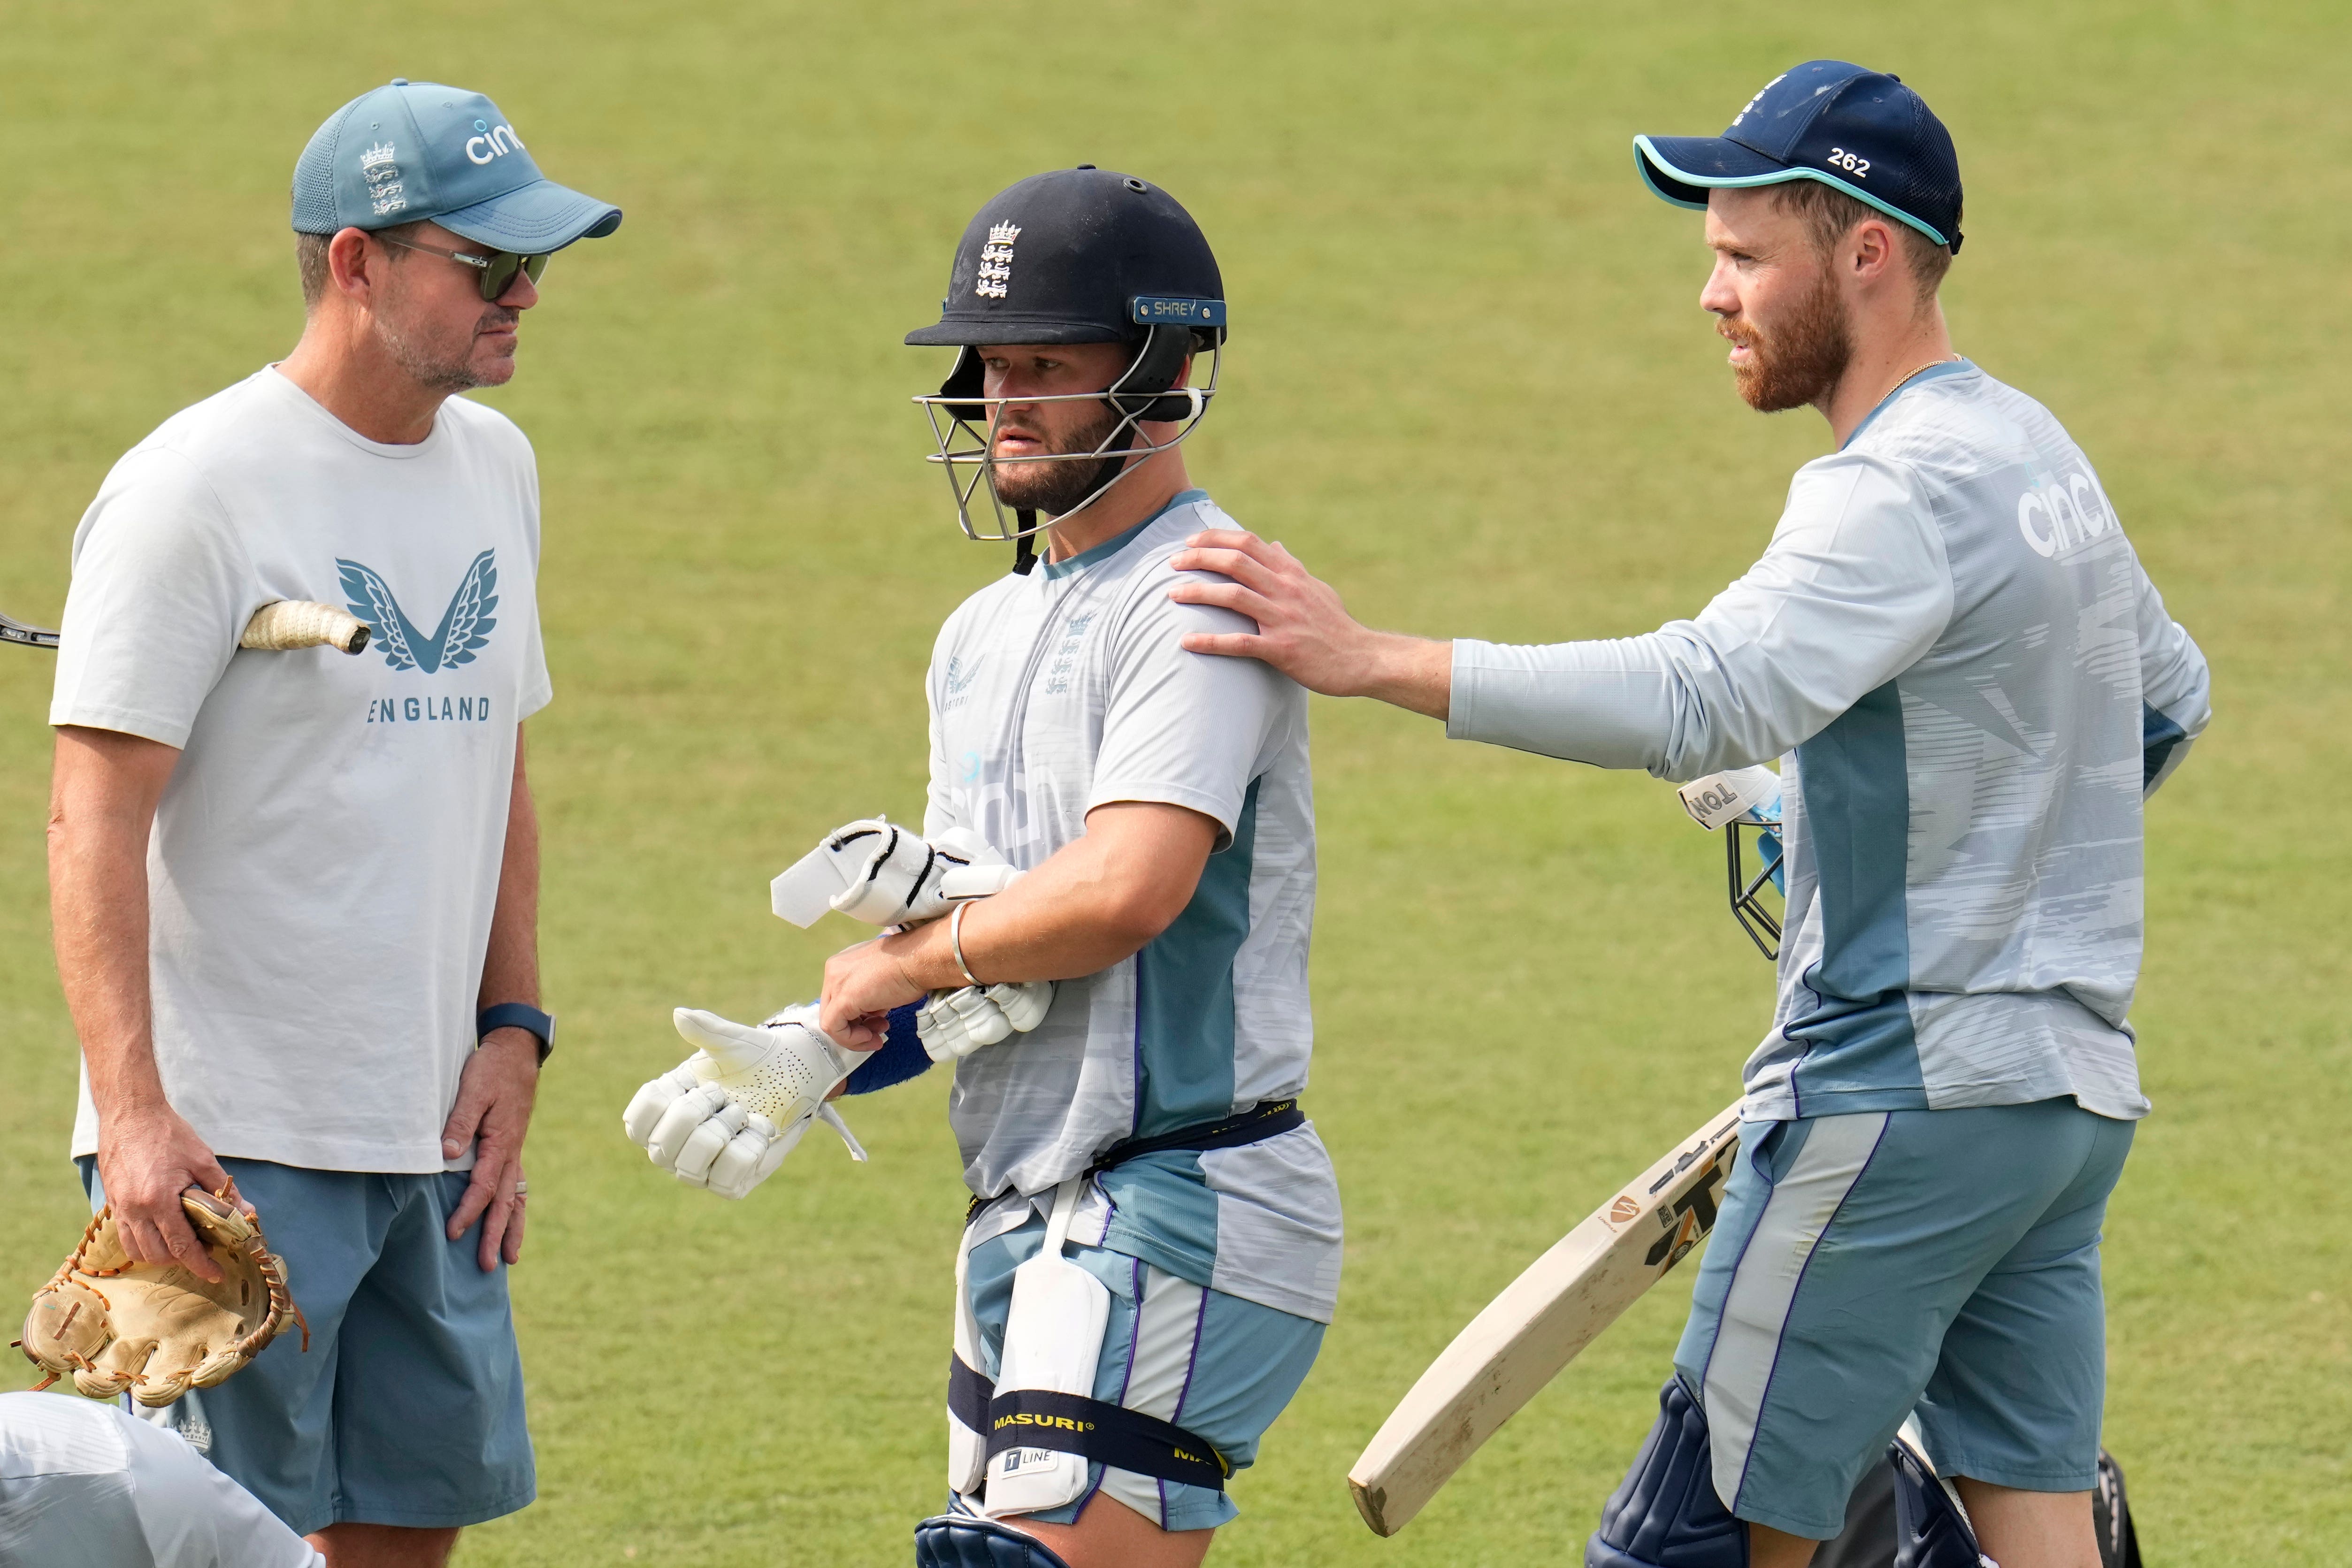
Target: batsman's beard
pixel 1055 489
pixel 1801 360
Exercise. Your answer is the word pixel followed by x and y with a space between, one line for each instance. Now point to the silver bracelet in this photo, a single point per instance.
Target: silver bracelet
pixel 955 941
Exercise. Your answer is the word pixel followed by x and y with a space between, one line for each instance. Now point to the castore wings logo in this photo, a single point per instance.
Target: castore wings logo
pixel 466 625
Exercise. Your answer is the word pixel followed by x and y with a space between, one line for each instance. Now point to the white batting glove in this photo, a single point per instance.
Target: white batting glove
pixel 954 1024
pixel 725 1116
pixel 875 871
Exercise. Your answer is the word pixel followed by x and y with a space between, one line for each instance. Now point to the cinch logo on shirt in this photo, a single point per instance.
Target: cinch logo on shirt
pixel 464 626
pixel 2063 512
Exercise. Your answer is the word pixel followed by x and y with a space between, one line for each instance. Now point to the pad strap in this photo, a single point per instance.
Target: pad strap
pixel 968 1394
pixel 1106 1434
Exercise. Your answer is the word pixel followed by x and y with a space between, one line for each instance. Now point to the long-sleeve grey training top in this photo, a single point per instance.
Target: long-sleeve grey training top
pixel 1972 686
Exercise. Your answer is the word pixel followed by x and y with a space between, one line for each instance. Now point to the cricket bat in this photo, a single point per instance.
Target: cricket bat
pixel 277 626
pixel 1540 1324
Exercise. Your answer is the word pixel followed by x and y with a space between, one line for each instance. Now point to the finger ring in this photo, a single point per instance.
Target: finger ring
pixel 522 1187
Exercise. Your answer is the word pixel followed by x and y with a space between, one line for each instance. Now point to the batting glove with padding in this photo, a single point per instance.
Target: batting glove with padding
pixel 876 871
pixel 954 1024
pixel 725 1116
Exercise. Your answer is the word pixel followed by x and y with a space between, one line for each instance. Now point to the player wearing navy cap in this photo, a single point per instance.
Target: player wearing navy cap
pixel 1971 688
pixel 295 892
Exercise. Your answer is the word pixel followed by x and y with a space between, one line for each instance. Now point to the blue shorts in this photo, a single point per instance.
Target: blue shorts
pixel 1870 1264
pixel 407 1410
pixel 1219 1366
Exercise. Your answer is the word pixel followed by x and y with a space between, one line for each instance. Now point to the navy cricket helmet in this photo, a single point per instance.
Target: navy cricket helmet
pixel 1075 256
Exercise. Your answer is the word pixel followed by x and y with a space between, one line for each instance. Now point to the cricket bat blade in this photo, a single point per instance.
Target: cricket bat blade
pixel 1540 1324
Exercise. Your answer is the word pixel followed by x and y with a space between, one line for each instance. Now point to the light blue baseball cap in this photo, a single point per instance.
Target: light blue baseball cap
pixel 415 151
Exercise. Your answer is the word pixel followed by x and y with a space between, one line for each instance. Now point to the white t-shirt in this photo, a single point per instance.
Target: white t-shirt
pixel 325 859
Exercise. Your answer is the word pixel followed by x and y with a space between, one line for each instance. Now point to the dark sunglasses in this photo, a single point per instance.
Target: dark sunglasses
pixel 498 268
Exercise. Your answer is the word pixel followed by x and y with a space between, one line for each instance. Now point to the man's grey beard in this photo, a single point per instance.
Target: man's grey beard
pixel 435 373
pixel 1058 488
pixel 1801 362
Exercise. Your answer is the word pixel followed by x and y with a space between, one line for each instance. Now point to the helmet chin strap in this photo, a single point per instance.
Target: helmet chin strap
pixel 1024 548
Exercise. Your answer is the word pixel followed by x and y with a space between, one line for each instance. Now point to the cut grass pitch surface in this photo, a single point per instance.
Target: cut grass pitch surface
pixel 1470 383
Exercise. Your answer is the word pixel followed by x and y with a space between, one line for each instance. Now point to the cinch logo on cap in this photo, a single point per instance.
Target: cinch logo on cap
pixel 491 141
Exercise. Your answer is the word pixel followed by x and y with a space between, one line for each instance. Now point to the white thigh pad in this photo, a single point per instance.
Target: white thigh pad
pixel 1053 1342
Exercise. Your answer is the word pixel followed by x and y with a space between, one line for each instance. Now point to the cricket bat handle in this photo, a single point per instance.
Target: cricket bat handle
pixel 299 624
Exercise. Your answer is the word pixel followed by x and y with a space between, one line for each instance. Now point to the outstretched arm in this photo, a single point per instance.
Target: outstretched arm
pixel 1094 902
pixel 1853 589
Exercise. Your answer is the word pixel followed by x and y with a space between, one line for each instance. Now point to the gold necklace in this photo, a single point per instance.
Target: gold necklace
pixel 1901 381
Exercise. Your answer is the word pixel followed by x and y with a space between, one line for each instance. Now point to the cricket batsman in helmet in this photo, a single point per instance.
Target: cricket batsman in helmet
pixel 1103 925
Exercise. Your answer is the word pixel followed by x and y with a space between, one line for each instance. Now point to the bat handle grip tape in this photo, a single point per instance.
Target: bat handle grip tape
pixel 955 941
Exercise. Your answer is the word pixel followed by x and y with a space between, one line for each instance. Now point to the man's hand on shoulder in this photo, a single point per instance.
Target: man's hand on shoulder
pixel 146 1159
pixel 495 1094
pixel 1303 629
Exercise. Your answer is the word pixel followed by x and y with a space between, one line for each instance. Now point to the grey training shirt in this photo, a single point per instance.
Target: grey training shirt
pixel 1972 686
pixel 1068 689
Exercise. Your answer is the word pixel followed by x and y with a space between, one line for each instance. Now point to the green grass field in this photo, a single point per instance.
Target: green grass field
pixel 1470 384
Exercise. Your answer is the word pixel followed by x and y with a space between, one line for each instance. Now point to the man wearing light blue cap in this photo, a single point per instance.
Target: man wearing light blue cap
pixel 295 891
pixel 1972 687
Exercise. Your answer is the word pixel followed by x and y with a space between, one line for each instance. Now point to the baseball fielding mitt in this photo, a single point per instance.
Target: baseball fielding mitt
pixel 158 1329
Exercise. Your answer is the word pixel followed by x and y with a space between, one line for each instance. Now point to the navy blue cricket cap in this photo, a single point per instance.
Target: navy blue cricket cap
pixel 1078 255
pixel 413 151
pixel 1860 130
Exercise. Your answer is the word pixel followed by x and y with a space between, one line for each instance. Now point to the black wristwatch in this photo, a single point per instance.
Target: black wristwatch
pixel 521 1015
